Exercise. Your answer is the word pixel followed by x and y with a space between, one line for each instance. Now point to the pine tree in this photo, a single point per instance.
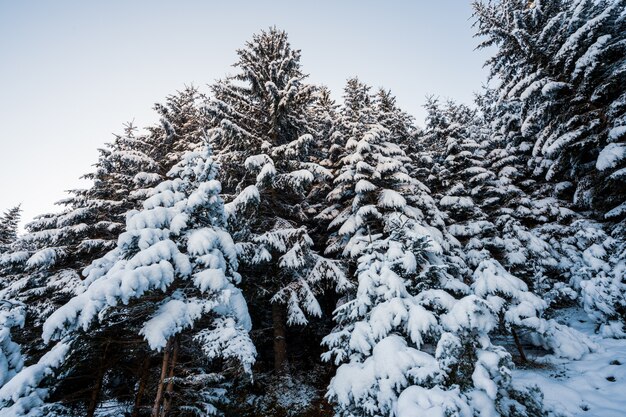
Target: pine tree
pixel 405 300
pixel 181 128
pixel 561 67
pixel 45 264
pixel 44 268
pixel 324 111
pixel 562 61
pixel 525 236
pixel 264 137
pixel 8 227
pixel 398 122
pixel 172 280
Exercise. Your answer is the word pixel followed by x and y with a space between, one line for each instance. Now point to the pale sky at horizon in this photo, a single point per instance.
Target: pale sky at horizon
pixel 72 72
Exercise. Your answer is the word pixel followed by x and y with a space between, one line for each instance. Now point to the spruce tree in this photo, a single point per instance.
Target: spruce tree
pixel 8 227
pixel 263 132
pixel 562 73
pixel 172 280
pixel 562 61
pixel 45 264
pixel 409 296
pixel 43 269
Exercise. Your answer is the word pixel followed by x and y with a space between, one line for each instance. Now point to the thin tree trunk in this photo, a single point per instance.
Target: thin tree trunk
pixel 518 344
pixel 159 395
pixel 95 393
pixel 167 402
pixel 280 340
pixel 143 381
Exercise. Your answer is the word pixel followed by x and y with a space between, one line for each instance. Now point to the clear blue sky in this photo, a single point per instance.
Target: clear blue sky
pixel 71 72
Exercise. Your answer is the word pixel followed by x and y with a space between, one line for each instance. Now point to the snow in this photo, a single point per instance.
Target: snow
pixel 43 257
pixel 617 132
pixel 417 401
pixel 375 382
pixel 227 338
pixel 610 156
pixel 590 59
pixel 301 176
pixel 21 394
pixel 249 195
pixel 553 87
pixel 469 313
pixel 268 171
pixel 454 201
pixel 172 317
pixel 616 211
pixel 591 386
pixel 391 199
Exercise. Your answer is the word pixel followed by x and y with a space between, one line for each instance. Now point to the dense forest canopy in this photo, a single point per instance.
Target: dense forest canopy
pixel 263 250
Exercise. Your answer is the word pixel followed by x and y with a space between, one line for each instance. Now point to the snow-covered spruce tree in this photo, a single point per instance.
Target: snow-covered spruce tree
pixel 11 316
pixel 518 309
pixel 442 122
pixel 181 127
pixel 457 174
pixel 563 61
pixel 399 123
pixel 8 227
pixel 456 170
pixel 465 185
pixel 42 269
pixel 171 280
pixel 263 137
pixel 400 334
pixel 597 269
pixel 357 112
pixel 525 238
pixel 324 112
pixel 561 68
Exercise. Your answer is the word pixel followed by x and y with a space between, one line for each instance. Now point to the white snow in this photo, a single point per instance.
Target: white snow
pixel 610 156
pixel 417 401
pixel 617 132
pixel 172 317
pixel 594 385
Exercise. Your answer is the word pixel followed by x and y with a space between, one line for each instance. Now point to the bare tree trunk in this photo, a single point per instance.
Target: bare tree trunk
pixel 143 381
pixel 95 393
pixel 167 402
pixel 518 344
pixel 280 338
pixel 159 395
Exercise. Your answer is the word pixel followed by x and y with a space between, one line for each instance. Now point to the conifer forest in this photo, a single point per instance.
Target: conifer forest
pixel 273 248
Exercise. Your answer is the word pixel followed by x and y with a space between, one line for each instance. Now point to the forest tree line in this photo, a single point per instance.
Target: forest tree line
pixel 263 250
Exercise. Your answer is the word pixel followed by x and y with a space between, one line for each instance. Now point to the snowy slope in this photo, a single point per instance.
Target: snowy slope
pixel 594 386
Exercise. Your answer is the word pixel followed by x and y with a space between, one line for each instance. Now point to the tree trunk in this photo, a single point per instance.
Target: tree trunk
pixel 167 402
pixel 95 393
pixel 280 340
pixel 159 395
pixel 143 381
pixel 518 344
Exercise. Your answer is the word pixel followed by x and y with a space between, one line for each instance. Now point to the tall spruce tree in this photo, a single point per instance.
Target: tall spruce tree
pixel 405 300
pixel 43 268
pixel 171 280
pixel 263 137
pixel 561 67
pixel 563 61
pixel 9 222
